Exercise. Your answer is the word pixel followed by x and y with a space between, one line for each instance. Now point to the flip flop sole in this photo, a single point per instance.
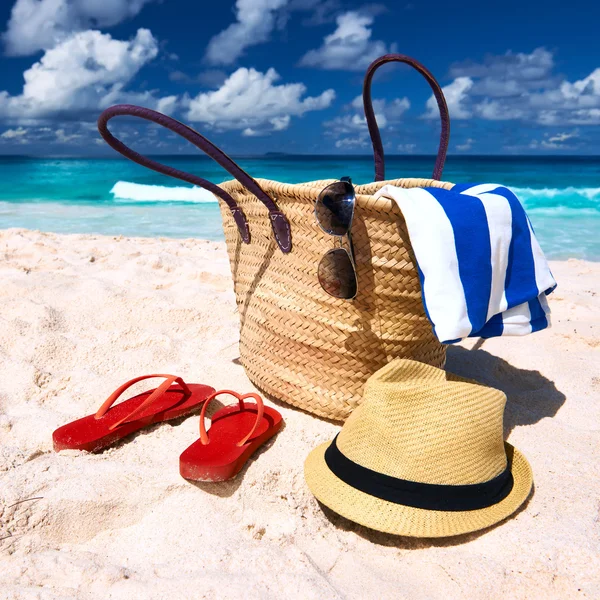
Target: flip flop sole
pixel 92 435
pixel 222 458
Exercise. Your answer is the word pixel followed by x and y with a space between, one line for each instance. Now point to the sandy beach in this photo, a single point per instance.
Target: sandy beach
pixel 81 314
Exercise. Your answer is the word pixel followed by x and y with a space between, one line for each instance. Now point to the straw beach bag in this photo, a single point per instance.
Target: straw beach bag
pixel 297 343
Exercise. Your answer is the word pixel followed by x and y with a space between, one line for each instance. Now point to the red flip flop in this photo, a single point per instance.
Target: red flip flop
pixel 236 432
pixel 94 432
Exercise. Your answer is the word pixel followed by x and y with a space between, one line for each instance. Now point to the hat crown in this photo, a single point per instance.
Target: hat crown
pixel 422 424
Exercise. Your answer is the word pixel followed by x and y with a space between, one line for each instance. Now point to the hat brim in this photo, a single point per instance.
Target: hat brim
pixel 399 519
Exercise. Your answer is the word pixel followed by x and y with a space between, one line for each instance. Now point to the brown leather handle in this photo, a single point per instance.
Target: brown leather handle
pixel 372 121
pixel 279 223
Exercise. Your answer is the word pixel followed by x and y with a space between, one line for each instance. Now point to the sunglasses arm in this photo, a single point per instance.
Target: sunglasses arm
pixel 351 245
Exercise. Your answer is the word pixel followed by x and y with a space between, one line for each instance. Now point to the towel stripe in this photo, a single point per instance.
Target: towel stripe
pixel 482 271
pixel 499 219
pixel 493 328
pixel 422 280
pixel 447 311
pixel 517 320
pixel 538 315
pixel 520 273
pixel 543 276
pixel 473 252
pixel 543 298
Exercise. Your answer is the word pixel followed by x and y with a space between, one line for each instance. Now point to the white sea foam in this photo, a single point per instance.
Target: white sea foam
pixel 566 192
pixel 138 192
pixel 563 211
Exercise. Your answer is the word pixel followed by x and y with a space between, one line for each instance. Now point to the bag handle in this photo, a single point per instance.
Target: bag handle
pixel 372 122
pixel 279 222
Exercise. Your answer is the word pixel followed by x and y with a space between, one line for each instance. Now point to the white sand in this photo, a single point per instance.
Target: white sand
pixel 81 314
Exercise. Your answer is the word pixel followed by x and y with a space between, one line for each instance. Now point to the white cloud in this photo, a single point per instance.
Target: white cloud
pixel 349 47
pixel 496 110
pixel 19 134
pixel 166 104
pixel 577 102
pixel 562 137
pixel 391 110
pixel 322 10
pixel 589 116
pixel 523 87
pixel 350 143
pixel 455 93
pixel 249 132
pixel 280 123
pixel 276 124
pixel 62 137
pixel 255 21
pixel 82 75
pixel 581 91
pixel 251 101
pixel 353 123
pixel 508 74
pixel 555 142
pixel 406 148
pixel 41 24
pixel 468 144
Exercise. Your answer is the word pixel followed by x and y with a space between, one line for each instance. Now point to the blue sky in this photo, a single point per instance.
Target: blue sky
pixel 285 75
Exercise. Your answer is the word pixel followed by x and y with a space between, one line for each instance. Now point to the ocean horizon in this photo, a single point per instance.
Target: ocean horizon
pixel 112 196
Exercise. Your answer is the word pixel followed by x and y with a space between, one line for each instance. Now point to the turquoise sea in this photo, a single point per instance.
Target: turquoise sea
pixel 114 196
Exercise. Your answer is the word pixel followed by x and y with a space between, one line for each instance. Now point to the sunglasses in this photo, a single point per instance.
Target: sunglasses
pixel 334 212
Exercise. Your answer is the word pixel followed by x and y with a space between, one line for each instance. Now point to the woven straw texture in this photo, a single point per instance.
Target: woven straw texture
pixel 297 343
pixel 421 424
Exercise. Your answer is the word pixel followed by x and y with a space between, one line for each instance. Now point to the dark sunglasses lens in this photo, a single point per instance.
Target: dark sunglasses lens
pixel 335 208
pixel 337 275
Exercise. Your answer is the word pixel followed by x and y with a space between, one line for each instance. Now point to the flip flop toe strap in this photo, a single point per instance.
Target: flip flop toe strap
pixel 153 397
pixel 261 409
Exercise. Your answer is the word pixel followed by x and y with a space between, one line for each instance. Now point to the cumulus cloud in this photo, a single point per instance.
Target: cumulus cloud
pixel 322 10
pixel 386 109
pixel 349 143
pixel 508 74
pixel 82 75
pixel 581 99
pixel 467 145
pixel 41 24
pixel 456 93
pixel 19 134
pixel 274 124
pixel 349 47
pixel 588 116
pixel 62 137
pixel 556 141
pixel 69 134
pixel 253 102
pixel 496 110
pixel 354 124
pixel 257 19
pixel 249 132
pixel 255 22
pixel 559 138
pixel 520 86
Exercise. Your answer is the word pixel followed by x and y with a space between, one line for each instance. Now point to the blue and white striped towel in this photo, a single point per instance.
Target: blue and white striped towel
pixel 483 273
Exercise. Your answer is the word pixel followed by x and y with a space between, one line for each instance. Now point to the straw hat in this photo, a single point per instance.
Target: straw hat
pixel 422 456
